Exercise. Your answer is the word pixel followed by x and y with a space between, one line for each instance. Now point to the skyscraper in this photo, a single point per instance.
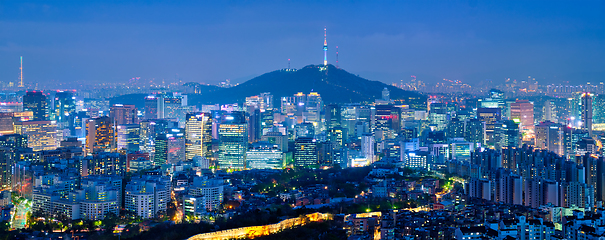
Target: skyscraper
pixel 264 155
pixel 333 115
pixel 64 106
pixel 170 147
pixel 474 131
pixel 233 140
pixel 523 111
pixel 305 152
pixel 123 114
pixel 313 108
pixel 100 135
pixel 490 116
pixel 587 112
pixel 198 131
pixel 549 135
pixel 41 135
pixel 129 137
pixel 151 107
pixel 509 134
pixel 35 101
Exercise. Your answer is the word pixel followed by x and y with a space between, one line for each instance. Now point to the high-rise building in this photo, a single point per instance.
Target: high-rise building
pixel 480 188
pixel 305 152
pixel 550 111
pixel 587 112
pixel 211 188
pixel 198 131
pixel 147 196
pixel 104 163
pixel 276 138
pixel 151 107
pixel 264 155
pixel 333 115
pixel 438 116
pixel 150 129
pixel 523 112
pixel 474 131
pixel 266 121
pixel 491 116
pixel 169 105
pixel 93 200
pixel 100 135
pixel 170 147
pixel 288 105
pixel 41 135
pixel 233 140
pixel 313 108
pixel 129 137
pixel 64 106
pixel 455 128
pixel 123 114
pixel 367 146
pixel 35 101
pixel 254 125
pixel 509 134
pixel 386 94
pixel 549 135
pixel 7 160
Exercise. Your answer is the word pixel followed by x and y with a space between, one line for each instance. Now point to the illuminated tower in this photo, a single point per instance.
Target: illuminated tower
pixel 21 75
pixel 325 49
pixel 587 112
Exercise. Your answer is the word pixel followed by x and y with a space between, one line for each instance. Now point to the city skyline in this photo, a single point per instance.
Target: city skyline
pixel 467 41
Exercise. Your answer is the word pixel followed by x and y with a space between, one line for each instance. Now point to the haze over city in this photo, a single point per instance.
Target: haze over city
pixel 98 41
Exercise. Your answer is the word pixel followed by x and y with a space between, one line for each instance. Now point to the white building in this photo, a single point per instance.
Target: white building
pixel 210 188
pixel 98 196
pixel 147 196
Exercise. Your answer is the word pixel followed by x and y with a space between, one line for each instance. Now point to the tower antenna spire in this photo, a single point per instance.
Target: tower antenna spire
pixel 288 64
pixel 325 47
pixel 21 74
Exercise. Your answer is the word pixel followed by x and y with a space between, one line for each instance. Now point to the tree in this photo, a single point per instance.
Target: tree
pixel 109 222
pixel 4 226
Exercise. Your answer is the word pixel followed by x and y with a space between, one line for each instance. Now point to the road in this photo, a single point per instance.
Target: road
pixel 20 217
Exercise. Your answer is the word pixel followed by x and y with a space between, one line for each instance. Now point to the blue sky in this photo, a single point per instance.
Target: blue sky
pixel 209 41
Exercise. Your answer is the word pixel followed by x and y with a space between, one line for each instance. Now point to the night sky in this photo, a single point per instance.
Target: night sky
pixel 210 41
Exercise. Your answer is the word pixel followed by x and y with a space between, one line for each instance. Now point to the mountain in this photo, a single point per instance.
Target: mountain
pixel 335 85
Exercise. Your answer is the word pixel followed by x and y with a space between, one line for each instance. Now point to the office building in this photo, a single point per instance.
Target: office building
pixel 151 107
pixel 198 132
pixel 305 152
pixel 509 134
pixel 41 135
pixel 170 148
pixel 35 101
pixel 123 114
pixel 264 155
pixel 549 135
pixel 100 135
pixel 233 140
pixel 64 107
pixel 490 116
pixel 522 111
pixel 586 113
pixel 129 137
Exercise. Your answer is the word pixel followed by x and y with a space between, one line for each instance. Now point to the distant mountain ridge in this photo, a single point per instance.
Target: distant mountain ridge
pixel 335 85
